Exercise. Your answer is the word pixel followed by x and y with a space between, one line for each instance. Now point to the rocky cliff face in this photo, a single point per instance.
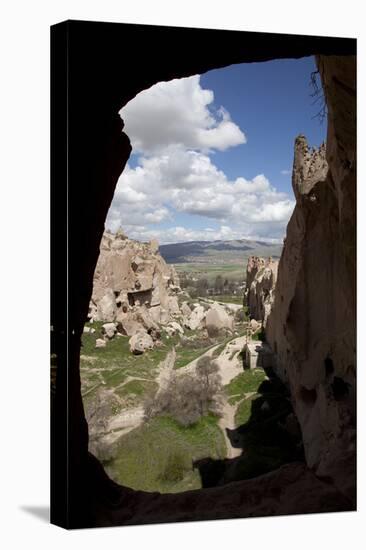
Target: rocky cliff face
pixel 133 285
pixel 261 280
pixel 312 323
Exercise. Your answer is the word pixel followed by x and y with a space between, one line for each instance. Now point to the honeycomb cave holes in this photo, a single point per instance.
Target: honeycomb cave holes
pixel 340 388
pixel 308 397
pixel 329 367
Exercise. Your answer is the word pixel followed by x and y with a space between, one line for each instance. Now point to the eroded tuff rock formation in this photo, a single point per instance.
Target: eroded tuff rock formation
pixel 133 286
pixel 260 283
pixel 312 323
pixel 136 294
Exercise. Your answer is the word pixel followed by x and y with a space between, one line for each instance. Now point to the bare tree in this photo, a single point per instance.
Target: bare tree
pixel 187 397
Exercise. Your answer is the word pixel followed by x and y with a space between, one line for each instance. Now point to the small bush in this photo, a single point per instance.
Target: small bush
pixel 187 398
pixel 175 468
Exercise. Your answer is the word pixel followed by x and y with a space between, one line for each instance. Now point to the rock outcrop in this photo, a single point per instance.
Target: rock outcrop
pixel 311 327
pixel 140 342
pixel 260 283
pixel 195 319
pixel 133 286
pixel 217 320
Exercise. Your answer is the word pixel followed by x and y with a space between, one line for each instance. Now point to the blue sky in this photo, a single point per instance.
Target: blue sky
pixel 212 154
pixel 271 102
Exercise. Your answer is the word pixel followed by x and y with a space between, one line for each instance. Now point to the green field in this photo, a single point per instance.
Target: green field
pixel 112 366
pixel 246 382
pixel 228 298
pixel 158 455
pixel 209 271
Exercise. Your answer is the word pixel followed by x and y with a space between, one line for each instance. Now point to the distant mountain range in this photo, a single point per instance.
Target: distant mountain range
pixel 217 252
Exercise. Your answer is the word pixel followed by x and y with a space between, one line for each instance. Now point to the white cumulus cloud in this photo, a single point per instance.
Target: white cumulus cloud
pixel 179 112
pixel 174 127
pixel 181 181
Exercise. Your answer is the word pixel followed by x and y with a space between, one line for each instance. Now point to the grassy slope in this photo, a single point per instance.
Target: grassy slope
pixel 111 366
pixel 246 382
pixel 158 455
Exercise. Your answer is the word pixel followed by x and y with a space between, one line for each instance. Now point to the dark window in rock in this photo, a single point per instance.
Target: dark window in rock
pixel 329 367
pixel 142 296
pixel 307 396
pixel 340 388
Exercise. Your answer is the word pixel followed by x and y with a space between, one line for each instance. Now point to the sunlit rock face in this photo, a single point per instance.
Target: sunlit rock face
pixel 312 327
pixel 133 285
pixel 261 279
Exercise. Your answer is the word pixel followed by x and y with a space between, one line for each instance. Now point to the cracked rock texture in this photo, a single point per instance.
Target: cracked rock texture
pixel 133 285
pixel 261 281
pixel 312 327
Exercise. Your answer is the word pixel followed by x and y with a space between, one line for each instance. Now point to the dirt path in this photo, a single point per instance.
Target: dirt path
pixel 190 367
pixel 230 365
pixel 166 368
pixel 227 420
pixel 122 423
pixel 228 361
pixel 129 419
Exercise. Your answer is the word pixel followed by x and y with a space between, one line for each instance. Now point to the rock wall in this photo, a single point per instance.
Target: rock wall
pixel 133 285
pixel 312 324
pixel 261 279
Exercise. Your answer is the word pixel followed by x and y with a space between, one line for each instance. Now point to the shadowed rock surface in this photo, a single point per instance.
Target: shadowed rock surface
pixel 312 323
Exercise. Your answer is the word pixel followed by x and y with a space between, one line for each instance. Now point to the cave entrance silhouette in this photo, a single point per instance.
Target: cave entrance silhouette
pixel 95 71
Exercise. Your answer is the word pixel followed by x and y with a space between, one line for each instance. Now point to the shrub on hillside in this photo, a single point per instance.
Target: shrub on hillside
pixel 187 398
pixel 175 468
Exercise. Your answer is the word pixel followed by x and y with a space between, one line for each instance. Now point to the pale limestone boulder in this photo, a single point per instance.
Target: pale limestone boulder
pixel 186 310
pixel 107 307
pixel 169 330
pixel 173 306
pixel 140 342
pixel 128 325
pixel 155 314
pixel 174 328
pixel 100 343
pixel 196 318
pixel 177 327
pixel 217 319
pixel 109 330
pixel 254 325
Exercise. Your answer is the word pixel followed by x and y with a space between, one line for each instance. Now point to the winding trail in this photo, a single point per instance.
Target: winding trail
pixel 227 420
pixel 229 365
